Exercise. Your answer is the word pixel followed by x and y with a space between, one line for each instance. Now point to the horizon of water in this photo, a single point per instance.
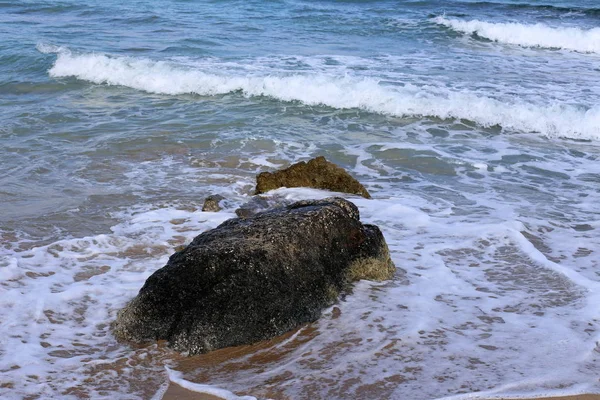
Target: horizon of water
pixel 475 125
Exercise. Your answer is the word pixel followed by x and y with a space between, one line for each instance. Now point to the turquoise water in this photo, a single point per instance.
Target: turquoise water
pixel 474 125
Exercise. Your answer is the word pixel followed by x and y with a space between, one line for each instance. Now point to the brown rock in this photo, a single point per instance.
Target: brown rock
pixel 318 173
pixel 211 204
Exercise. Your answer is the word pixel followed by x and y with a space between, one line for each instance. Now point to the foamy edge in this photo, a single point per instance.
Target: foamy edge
pixel 537 35
pixel 341 92
pixel 177 378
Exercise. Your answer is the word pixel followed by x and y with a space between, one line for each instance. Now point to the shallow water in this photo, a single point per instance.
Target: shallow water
pixel 474 125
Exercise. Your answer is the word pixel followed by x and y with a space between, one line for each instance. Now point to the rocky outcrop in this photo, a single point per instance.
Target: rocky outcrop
pixel 318 173
pixel 256 278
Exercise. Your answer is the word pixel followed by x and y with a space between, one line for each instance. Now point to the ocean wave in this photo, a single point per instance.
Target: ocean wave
pixel 546 7
pixel 538 35
pixel 342 92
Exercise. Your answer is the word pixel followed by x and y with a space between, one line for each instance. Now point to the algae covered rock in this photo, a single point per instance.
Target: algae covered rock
pixel 212 203
pixel 255 278
pixel 318 173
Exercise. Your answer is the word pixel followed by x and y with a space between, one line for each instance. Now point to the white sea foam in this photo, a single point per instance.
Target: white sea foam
pixel 472 291
pixel 58 300
pixel 538 35
pixel 345 92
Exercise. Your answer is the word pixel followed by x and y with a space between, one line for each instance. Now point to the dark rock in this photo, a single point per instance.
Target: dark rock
pixel 258 204
pixel 211 203
pixel 256 278
pixel 318 173
pixel 252 207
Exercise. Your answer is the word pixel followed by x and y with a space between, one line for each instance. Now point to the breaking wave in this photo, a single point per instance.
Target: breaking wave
pixel 545 7
pixel 342 92
pixel 538 35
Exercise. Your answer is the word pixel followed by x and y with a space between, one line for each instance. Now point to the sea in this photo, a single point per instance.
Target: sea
pixel 475 125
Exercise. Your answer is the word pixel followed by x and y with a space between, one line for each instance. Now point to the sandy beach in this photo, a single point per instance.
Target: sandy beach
pixel 176 392
pixel 225 362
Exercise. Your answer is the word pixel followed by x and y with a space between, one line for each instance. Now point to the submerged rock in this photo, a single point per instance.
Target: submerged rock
pixel 179 247
pixel 258 204
pixel 211 203
pixel 318 173
pixel 254 206
pixel 256 278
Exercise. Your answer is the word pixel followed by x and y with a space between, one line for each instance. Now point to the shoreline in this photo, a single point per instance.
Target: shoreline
pixel 176 392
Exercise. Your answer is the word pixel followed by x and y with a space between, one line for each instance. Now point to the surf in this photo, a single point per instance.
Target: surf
pixel 322 89
pixel 528 35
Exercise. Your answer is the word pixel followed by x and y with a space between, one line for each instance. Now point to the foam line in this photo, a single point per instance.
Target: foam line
pixel 345 92
pixel 538 257
pixel 538 35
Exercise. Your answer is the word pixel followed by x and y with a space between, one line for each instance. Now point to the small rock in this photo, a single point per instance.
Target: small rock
pixel 318 173
pixel 211 204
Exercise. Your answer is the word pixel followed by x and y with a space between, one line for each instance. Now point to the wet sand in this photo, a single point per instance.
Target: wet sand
pixel 176 392
pixel 224 362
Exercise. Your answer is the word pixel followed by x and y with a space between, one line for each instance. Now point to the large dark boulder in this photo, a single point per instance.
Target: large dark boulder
pixel 318 173
pixel 256 278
